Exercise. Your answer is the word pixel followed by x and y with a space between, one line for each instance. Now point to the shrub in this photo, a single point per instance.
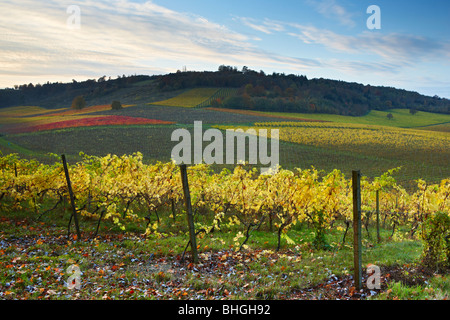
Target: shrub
pixel 78 103
pixel 320 241
pixel 116 105
pixel 436 239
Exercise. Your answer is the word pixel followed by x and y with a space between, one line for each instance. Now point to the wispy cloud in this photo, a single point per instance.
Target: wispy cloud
pixel 391 46
pixel 267 26
pixel 122 36
pixel 332 10
pixel 115 37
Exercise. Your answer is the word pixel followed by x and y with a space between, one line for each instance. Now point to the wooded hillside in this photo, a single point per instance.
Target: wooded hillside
pixel 257 91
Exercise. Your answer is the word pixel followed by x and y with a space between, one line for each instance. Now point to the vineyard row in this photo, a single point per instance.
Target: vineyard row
pixel 124 189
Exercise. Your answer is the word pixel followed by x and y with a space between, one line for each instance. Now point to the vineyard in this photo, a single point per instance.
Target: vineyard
pixel 220 95
pixel 281 236
pixel 124 190
pixel 197 98
pixel 420 153
pixel 402 118
pixel 353 136
pixel 35 119
pixel 190 98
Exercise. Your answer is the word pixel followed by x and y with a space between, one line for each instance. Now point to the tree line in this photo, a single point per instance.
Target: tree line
pixel 296 93
pixel 60 94
pixel 256 91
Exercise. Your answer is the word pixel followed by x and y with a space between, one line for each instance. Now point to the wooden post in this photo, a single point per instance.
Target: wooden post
pixel 15 174
pixel 357 246
pixel 72 199
pixel 190 218
pixel 378 215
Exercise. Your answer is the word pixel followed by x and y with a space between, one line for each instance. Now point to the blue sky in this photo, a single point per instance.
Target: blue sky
pixel 40 41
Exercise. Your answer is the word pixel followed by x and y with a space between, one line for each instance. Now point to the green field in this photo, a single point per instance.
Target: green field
pixel 189 99
pixel 401 118
pixel 437 127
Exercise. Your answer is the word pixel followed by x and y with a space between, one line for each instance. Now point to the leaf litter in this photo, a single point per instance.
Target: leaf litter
pixel 35 266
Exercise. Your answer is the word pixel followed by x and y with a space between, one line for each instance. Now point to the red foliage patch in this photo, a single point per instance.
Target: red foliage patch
pixel 95 121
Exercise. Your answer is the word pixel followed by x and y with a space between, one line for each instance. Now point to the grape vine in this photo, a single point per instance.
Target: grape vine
pixel 125 190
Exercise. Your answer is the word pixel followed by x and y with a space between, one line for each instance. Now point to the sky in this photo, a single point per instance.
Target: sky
pixel 58 40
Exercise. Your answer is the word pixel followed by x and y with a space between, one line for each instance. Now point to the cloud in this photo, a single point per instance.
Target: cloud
pixel 267 26
pixel 122 37
pixel 126 37
pixel 403 49
pixel 384 52
pixel 332 10
pixel 115 37
pixel 390 47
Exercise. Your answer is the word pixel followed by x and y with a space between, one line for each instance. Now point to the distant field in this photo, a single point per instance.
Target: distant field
pixel 23 111
pixel 401 118
pixel 438 127
pixel 372 149
pixel 7 147
pixel 33 119
pixel 326 149
pixel 87 110
pixel 371 143
pixel 151 140
pixel 189 99
pixel 279 115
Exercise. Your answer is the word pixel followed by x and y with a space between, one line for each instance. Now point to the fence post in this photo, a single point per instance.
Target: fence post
pixel 356 185
pixel 378 215
pixel 72 200
pixel 190 218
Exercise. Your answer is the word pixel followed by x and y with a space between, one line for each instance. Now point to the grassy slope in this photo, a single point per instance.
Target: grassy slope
pixel 24 111
pixel 189 99
pixel 10 147
pixel 402 118
pixel 438 127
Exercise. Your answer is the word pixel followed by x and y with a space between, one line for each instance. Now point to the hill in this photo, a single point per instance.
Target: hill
pixel 253 90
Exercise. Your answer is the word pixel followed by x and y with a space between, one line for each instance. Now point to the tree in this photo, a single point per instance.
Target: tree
pixel 248 89
pixel 116 105
pixel 78 103
pixel 413 111
pixel 390 116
